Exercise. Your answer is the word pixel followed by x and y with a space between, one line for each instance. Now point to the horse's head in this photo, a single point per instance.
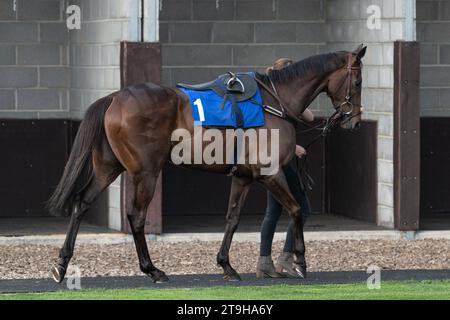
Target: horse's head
pixel 344 89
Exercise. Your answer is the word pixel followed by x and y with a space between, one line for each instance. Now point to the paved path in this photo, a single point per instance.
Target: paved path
pixel 208 280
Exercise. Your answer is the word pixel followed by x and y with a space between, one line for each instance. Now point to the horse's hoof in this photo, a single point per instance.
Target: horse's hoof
pixel 58 274
pixel 300 270
pixel 232 277
pixel 160 277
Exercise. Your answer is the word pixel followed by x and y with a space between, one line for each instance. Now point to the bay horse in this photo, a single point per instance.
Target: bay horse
pixel 130 130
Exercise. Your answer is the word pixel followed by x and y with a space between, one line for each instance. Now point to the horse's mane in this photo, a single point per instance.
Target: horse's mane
pixel 317 64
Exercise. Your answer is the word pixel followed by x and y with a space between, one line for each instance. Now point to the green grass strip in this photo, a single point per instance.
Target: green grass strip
pixel 433 290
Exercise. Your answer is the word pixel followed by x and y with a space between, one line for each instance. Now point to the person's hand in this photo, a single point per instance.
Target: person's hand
pixel 308 116
pixel 300 151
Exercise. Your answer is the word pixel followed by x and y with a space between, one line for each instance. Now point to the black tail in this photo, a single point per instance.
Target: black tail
pixel 79 170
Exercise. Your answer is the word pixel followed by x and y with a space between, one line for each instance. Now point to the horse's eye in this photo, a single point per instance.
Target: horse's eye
pixel 358 83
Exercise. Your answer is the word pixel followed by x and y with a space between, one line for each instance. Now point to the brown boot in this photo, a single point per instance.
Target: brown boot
pixel 285 263
pixel 266 269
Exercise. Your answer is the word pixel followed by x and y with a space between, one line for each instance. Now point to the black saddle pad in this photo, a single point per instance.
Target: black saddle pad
pixel 219 86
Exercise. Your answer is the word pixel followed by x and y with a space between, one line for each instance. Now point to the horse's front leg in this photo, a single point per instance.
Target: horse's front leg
pixel 299 249
pixel 239 190
pixel 278 186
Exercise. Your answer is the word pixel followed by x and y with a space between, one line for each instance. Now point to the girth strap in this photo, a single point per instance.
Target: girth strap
pixel 236 110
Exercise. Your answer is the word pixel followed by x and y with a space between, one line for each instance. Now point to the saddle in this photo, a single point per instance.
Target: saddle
pixel 236 88
pixel 231 86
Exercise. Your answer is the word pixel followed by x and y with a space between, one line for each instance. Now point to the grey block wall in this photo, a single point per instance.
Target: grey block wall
pixel 47 71
pixel 433 31
pixel 95 50
pixel 201 40
pixel 33 60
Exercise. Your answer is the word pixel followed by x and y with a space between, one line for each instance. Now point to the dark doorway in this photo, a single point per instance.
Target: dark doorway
pixel 34 153
pixel 435 174
pixel 352 173
pixel 33 156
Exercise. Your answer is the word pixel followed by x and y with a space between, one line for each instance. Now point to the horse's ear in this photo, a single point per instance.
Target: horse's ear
pixel 360 51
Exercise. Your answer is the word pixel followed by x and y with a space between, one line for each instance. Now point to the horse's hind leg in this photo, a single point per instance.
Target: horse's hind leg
pixel 239 190
pixel 105 172
pixel 278 186
pixel 144 186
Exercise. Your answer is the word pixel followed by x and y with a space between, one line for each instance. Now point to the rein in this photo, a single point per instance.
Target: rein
pixel 277 112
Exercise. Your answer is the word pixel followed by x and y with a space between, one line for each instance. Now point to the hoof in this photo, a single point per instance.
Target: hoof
pixel 273 275
pixel 159 277
pixel 232 277
pixel 58 274
pixel 300 270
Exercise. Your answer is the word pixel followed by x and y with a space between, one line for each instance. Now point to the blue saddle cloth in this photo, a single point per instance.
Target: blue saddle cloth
pixel 206 110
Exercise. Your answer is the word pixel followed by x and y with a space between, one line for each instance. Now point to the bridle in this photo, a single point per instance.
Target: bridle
pixel 340 114
pixel 340 108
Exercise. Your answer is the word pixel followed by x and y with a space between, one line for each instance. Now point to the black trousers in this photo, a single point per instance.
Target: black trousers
pixel 274 210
